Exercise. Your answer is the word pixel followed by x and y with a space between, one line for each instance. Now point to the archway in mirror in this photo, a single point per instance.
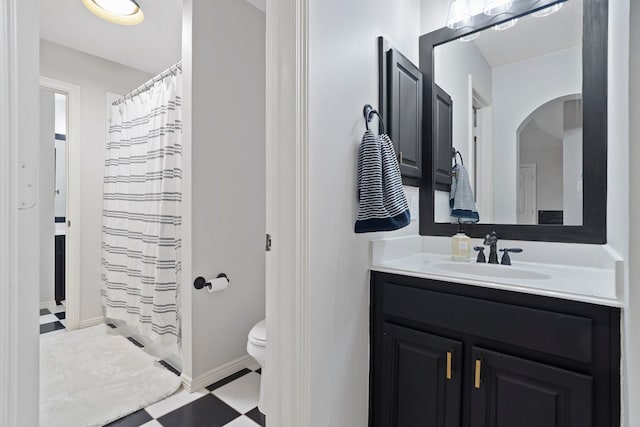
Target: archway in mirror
pixel 549 147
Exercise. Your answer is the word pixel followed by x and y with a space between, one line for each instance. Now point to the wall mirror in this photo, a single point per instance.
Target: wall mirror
pixel 60 156
pixel 525 95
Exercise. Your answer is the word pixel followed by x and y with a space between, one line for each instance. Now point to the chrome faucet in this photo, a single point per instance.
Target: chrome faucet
pixel 491 240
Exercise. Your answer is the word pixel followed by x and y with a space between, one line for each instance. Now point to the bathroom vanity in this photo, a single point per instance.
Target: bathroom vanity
pixel 466 344
pixel 537 343
pixel 445 354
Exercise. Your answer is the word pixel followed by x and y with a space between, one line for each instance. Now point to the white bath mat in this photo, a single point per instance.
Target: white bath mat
pixel 93 376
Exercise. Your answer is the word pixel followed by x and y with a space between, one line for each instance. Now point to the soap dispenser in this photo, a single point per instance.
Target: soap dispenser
pixel 460 245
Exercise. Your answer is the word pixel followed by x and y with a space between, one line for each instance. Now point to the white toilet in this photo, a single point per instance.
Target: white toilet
pixel 257 347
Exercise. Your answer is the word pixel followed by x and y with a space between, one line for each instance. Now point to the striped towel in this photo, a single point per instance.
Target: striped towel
pixel 383 205
pixel 461 198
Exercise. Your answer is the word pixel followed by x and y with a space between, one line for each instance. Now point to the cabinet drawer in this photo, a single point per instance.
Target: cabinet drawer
pixel 545 331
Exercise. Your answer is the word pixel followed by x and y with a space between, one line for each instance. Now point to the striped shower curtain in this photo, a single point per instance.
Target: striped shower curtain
pixel 141 216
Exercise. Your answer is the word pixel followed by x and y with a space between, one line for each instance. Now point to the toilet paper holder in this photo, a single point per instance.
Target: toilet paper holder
pixel 200 282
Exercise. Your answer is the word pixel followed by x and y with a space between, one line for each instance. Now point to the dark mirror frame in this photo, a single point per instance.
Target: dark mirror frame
pixel 594 114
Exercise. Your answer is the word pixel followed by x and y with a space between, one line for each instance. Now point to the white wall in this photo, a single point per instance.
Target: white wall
pixel 343 67
pixel 224 119
pixel 548 161
pixel 572 163
pixel 95 76
pixel 61 113
pixel 433 14
pixel 60 182
pixel 454 62
pixel 60 116
pixel 518 89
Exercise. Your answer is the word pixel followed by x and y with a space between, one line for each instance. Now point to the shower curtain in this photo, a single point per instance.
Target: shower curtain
pixel 141 215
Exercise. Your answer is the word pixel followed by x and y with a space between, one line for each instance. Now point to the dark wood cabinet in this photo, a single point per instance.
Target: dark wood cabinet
pixel 446 354
pixel 442 138
pixel 512 391
pixel 60 269
pixel 421 379
pixel 405 118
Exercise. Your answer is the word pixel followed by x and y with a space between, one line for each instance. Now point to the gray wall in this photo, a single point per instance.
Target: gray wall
pixel 224 139
pixel 95 76
pixel 548 161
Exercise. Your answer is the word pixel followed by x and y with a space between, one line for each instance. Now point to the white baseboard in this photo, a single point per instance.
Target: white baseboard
pixel 91 322
pixel 217 374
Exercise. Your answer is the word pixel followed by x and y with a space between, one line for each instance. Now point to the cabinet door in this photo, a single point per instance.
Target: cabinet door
pixel 405 124
pixel 60 269
pixel 509 391
pixel 442 138
pixel 421 379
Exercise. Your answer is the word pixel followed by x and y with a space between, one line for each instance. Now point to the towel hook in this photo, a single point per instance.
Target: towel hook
pixel 368 111
pixel 455 152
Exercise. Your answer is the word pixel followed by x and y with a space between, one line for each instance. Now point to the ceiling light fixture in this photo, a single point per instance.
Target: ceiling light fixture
pixel 496 7
pixel 469 37
pixel 506 25
pixel 547 11
pixel 459 14
pixel 123 12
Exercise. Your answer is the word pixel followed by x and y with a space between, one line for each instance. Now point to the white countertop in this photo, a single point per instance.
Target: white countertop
pixel 596 280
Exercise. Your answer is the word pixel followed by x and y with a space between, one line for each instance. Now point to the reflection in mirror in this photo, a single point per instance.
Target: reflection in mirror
pixel 60 168
pixel 550 164
pixel 516 100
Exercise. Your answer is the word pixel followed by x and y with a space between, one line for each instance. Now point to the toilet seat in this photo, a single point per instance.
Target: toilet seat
pixel 258 334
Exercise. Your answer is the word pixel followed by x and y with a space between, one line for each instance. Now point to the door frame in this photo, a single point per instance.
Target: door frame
pixel 288 154
pixel 287 181
pixel 19 246
pixel 72 239
pixel 479 99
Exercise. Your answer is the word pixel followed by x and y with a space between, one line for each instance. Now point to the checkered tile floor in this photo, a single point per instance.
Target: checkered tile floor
pixel 52 319
pixel 231 402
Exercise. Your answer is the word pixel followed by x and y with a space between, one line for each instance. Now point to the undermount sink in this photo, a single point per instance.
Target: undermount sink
pixel 490 270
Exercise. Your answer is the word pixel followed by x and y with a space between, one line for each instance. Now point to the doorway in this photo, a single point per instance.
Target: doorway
pixel 59 241
pixel 481 150
pixel 527 183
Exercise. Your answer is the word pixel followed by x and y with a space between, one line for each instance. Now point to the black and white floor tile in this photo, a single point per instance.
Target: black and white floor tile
pixel 52 319
pixel 230 402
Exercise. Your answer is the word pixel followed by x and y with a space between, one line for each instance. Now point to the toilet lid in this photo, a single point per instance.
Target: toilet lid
pixel 258 334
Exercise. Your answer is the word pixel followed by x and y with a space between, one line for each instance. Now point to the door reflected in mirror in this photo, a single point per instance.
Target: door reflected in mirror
pixel 516 99
pixel 549 145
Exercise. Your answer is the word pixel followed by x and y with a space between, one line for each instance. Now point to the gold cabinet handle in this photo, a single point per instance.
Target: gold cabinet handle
pixel 449 356
pixel 477 373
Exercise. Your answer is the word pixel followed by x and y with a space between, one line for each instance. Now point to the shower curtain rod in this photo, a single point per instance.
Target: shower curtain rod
pixel 148 85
